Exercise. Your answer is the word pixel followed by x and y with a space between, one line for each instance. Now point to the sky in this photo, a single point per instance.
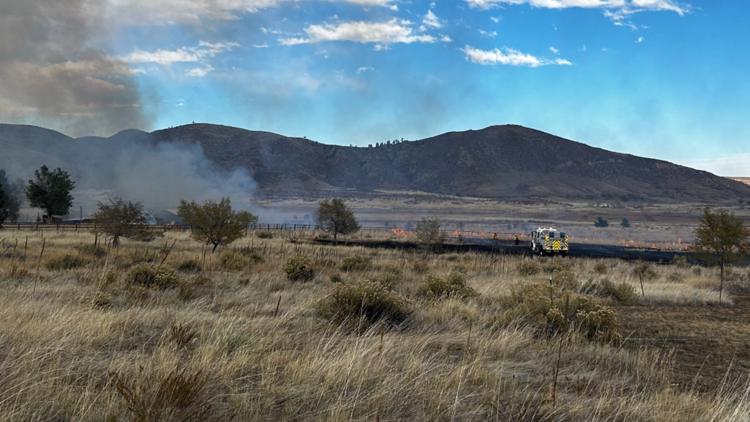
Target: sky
pixel 666 79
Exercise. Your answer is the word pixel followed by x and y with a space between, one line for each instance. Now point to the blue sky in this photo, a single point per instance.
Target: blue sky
pixel 659 78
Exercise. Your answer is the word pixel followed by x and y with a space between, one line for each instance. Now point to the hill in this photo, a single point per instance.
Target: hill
pixel 506 162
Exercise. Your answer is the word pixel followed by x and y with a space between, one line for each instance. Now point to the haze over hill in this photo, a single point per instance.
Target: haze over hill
pixel 504 162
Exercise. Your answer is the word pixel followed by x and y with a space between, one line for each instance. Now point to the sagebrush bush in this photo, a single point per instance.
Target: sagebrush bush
pixel 355 263
pixel 65 262
pixel 264 235
pixel 549 312
pixel 299 268
pixel 556 264
pixel 623 293
pixel 365 302
pixel 528 268
pixel 564 279
pixel 147 275
pixel 452 285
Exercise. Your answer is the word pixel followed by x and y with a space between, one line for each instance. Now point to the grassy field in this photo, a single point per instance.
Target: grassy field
pixel 277 328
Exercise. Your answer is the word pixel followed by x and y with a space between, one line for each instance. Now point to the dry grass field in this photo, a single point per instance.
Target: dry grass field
pixel 278 328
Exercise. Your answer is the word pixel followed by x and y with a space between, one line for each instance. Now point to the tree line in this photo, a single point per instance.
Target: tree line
pixel 721 238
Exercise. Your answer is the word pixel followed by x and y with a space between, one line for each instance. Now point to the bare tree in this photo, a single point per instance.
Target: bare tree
pixel 428 232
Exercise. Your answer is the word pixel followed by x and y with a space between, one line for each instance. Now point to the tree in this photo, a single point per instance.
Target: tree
pixel 215 223
pixel 335 217
pixel 721 238
pixel 10 198
pixel 50 191
pixel 644 272
pixel 428 232
pixel 119 218
pixel 625 223
pixel 600 222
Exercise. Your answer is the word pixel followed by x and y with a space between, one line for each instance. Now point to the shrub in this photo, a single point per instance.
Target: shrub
pixel 233 260
pixel 65 262
pixel 189 265
pixel 675 278
pixel 452 285
pixel 564 280
pixel 366 302
pixel 528 268
pixel 146 275
pixel 420 267
pixel 620 292
pixel 548 313
pixel 355 263
pixel 91 250
pixel 264 235
pixel 299 268
pixel 601 268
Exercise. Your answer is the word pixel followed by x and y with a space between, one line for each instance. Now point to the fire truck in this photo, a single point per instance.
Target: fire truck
pixel 549 241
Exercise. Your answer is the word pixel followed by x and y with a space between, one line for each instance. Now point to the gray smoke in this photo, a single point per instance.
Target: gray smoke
pixel 51 73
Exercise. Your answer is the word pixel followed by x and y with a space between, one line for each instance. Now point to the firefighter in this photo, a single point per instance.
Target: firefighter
pixel 516 241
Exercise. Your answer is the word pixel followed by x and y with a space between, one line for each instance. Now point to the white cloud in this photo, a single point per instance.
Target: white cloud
pixel 431 21
pixel 380 33
pixel 199 72
pixel 488 34
pixel 363 69
pixel 375 3
pixel 554 50
pixel 640 39
pixel 509 57
pixel 616 10
pixel 181 55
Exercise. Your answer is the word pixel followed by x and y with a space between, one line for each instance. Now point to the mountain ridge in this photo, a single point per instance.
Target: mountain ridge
pixel 499 161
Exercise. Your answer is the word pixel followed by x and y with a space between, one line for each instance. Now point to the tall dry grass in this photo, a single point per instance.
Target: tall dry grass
pixel 236 339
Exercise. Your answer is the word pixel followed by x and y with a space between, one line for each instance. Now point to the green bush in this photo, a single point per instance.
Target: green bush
pixel 549 312
pixel 152 276
pixel 365 302
pixel 355 263
pixel 528 268
pixel 441 287
pixel 620 292
pixel 65 262
pixel 299 268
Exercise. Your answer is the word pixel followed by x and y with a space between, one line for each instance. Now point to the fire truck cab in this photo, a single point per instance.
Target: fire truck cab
pixel 549 241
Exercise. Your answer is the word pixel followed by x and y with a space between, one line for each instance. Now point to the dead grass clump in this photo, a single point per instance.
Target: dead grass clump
pixel 550 312
pixel 234 261
pixel 453 285
pixel 366 302
pixel 264 235
pixel 190 265
pixel 601 268
pixel 94 251
pixel 622 293
pixel 556 264
pixel 151 276
pixel 143 255
pixel 528 268
pixel 97 300
pixel 355 263
pixel 182 335
pixel 65 262
pixel 175 395
pixel 564 280
pixel 299 268
pixel 16 271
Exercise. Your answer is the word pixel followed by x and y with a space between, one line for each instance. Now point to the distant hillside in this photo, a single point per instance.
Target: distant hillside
pixel 506 162
pixel 745 180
